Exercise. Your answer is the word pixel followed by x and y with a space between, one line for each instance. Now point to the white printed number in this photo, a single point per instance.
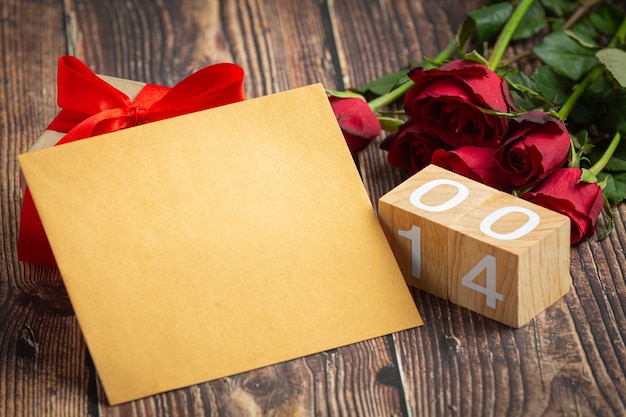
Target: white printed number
pixel 461 195
pixel 523 230
pixel 414 235
pixel 488 264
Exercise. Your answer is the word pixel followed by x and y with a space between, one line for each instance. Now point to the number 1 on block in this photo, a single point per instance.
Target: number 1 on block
pixel 415 236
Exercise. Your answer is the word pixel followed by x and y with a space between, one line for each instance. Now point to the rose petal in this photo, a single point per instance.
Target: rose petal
pixel 448 103
pixel 474 162
pixel 410 148
pixel 534 145
pixel 563 192
pixel 357 121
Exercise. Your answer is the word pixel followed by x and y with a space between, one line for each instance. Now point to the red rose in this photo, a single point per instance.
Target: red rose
pixel 447 103
pixel 410 148
pixel 473 162
pixel 564 193
pixel 533 145
pixel 358 122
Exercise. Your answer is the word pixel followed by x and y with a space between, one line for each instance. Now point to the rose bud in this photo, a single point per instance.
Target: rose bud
pixel 357 121
pixel 564 193
pixel 473 162
pixel 447 103
pixel 533 145
pixel 409 148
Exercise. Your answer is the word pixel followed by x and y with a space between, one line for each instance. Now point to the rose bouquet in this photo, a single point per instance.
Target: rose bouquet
pixel 551 136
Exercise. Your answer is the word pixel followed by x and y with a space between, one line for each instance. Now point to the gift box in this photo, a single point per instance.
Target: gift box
pixel 95 104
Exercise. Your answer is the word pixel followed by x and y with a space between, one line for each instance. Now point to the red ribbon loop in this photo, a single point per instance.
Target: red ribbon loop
pixel 90 106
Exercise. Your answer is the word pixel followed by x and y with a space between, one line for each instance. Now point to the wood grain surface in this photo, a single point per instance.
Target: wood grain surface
pixel 569 361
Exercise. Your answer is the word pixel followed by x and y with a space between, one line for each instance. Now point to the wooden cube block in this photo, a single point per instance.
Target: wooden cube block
pixel 416 217
pixel 509 259
pixel 482 249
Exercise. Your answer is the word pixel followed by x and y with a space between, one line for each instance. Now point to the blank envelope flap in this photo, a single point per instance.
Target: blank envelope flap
pixel 217 242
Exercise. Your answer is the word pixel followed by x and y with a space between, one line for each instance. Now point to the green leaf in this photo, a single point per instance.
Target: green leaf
pixel 615 118
pixel 565 56
pixel 584 32
pixel 476 57
pixel 384 84
pixel 390 124
pixel 593 105
pixel 614 186
pixel 557 24
pixel 523 89
pixel 582 144
pixel 489 20
pixel 607 19
pixel 429 63
pixel 464 35
pixel 615 62
pixel 532 23
pixel 553 87
pixel 559 8
pixel 519 78
pixel 617 163
pixel 344 94
pixel 583 40
pixel 610 217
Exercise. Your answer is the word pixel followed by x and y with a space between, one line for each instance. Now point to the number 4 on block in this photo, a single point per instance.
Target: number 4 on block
pixel 482 249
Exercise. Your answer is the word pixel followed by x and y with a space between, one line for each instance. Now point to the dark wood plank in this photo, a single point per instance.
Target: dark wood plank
pixel 41 349
pixel 280 45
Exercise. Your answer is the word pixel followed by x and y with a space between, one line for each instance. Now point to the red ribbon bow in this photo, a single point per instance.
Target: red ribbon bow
pixel 90 106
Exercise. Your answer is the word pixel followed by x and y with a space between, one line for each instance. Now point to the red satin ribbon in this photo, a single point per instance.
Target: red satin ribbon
pixel 90 106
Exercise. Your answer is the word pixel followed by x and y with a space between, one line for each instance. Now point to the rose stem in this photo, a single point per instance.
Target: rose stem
pixel 391 96
pixel 599 166
pixel 507 33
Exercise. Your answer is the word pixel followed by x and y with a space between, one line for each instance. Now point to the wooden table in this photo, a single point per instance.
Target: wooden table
pixel 569 361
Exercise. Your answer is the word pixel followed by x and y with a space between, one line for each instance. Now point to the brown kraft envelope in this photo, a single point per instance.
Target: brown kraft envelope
pixel 217 242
